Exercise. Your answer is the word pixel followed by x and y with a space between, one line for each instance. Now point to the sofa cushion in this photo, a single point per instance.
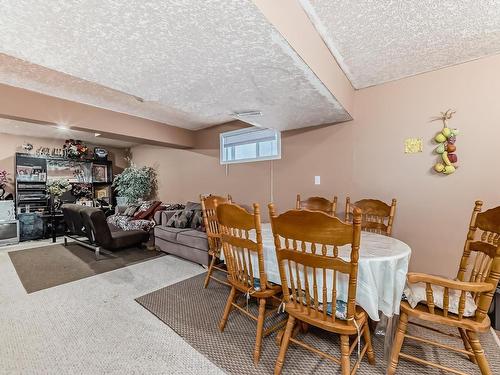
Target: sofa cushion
pixel 122 239
pixel 130 210
pixel 180 219
pixel 197 220
pixel 168 233
pixel 193 238
pixel 193 206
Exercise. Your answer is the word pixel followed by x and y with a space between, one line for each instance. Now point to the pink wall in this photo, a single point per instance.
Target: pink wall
pixel 365 158
pixel 184 174
pixel 433 210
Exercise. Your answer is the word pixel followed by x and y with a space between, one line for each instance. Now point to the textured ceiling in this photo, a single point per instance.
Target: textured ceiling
pixel 380 41
pixel 28 129
pixel 194 62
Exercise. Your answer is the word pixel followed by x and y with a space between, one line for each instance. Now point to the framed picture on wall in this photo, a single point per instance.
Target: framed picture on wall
pixel 99 173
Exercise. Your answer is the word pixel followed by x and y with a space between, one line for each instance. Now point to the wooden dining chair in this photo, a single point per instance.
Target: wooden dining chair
pixel 243 252
pixel 307 244
pixel 208 206
pixel 377 216
pixel 317 204
pixel 476 278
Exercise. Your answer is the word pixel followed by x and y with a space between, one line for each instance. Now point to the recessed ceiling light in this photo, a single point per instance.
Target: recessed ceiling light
pixel 62 127
pixel 247 114
pixel 97 134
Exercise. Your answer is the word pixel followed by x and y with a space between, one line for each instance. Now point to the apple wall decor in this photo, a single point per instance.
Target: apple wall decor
pixel 446 145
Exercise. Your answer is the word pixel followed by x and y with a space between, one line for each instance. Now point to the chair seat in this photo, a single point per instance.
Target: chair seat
pixel 340 326
pixel 421 312
pixel 270 291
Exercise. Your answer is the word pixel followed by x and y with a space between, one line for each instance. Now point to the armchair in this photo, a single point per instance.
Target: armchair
pixel 477 279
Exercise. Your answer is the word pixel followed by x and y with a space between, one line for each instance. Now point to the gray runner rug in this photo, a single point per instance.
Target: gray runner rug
pixel 194 314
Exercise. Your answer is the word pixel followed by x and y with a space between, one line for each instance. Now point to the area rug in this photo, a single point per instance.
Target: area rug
pixel 48 266
pixel 194 313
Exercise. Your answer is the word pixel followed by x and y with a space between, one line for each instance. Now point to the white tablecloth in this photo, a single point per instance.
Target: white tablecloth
pixel 383 264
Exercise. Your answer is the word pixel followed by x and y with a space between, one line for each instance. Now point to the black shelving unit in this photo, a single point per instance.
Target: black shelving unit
pixel 31 187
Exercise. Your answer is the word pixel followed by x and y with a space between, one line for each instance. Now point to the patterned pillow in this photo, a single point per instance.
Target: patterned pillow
pixel 130 210
pixel 174 206
pixel 180 219
pixel 146 209
pixel 197 220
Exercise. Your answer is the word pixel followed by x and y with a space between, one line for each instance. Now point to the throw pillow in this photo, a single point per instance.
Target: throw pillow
pixel 193 206
pixel 416 293
pixel 174 206
pixel 197 220
pixel 146 209
pixel 130 210
pixel 180 219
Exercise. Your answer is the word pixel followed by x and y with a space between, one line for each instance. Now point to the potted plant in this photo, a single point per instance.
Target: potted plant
pixel 56 188
pixel 135 184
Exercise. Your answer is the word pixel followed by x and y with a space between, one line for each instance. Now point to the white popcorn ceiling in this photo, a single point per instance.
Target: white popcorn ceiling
pixel 380 41
pixel 194 62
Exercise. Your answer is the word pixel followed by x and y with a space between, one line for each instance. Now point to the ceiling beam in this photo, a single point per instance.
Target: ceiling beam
pixel 31 106
pixel 290 19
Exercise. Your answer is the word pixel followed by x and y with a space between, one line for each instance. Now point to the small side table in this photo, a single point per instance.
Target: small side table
pixel 51 224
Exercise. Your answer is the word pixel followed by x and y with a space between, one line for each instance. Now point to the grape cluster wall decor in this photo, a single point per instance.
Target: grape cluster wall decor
pixel 446 145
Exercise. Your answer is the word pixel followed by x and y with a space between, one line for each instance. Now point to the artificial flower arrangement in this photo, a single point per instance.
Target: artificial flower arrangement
pixel 82 190
pixel 58 187
pixel 75 149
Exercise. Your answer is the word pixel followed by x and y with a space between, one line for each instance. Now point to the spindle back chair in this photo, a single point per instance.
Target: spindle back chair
pixel 478 275
pixel 307 248
pixel 241 237
pixel 208 206
pixel 377 216
pixel 317 204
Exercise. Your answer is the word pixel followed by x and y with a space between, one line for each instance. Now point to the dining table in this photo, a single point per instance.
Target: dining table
pixel 382 268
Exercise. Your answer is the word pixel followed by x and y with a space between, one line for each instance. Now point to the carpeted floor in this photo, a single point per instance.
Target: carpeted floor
pixel 52 265
pixel 94 326
pixel 194 313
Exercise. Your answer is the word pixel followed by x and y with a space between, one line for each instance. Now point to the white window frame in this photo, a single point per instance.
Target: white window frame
pixel 249 160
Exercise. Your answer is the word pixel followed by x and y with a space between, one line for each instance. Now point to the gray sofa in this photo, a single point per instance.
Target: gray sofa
pixel 187 243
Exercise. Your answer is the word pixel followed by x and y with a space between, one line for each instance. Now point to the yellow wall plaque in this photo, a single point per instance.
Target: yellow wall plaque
pixel 413 145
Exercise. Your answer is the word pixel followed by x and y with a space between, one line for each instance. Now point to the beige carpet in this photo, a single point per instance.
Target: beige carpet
pixel 48 266
pixel 194 313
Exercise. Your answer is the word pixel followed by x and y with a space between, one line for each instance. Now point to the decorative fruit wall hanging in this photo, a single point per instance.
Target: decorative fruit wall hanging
pixel 446 145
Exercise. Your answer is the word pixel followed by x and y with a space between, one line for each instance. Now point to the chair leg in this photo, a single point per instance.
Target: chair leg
pixel 260 330
pixel 482 362
pixel 398 343
pixel 227 309
pixel 209 272
pixel 368 342
pixel 467 346
pixel 284 345
pixel 345 360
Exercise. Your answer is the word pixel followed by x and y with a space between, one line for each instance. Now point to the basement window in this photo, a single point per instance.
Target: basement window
pixel 250 144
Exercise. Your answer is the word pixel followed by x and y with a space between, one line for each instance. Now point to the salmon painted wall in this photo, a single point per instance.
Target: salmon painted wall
pixel 365 158
pixel 433 210
pixel 10 144
pixel 325 152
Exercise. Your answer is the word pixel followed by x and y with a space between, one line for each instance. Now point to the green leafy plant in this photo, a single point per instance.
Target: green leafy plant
pixel 136 183
pixel 58 187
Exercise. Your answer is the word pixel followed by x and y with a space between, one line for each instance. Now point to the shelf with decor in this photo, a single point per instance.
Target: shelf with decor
pixel 90 179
